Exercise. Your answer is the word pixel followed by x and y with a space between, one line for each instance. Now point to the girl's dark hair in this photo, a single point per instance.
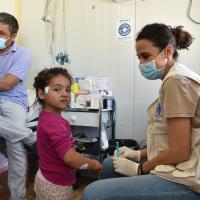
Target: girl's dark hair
pixel 162 35
pixel 44 77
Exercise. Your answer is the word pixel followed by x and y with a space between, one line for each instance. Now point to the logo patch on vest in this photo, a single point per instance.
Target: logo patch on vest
pixel 158 110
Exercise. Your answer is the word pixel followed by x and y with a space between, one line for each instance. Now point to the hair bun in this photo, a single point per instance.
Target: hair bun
pixel 183 38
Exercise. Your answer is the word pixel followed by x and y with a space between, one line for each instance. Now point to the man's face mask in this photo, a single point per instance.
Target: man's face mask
pixel 2 43
pixel 150 71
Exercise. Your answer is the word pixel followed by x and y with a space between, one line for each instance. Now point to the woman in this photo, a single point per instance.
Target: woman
pixel 173 132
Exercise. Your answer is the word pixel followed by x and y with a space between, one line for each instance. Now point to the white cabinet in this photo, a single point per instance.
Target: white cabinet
pixel 91 123
pixel 77 118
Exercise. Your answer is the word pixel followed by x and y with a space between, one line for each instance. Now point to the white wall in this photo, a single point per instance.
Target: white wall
pixel 8 6
pixel 93 49
pixel 91 44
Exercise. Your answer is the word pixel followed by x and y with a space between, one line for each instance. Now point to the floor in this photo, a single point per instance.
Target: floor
pixel 4 192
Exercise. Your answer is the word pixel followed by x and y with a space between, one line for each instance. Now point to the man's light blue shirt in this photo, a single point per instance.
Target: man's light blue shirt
pixel 16 61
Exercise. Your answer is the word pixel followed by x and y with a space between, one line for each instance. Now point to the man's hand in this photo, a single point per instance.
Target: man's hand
pixel 126 152
pixel 125 166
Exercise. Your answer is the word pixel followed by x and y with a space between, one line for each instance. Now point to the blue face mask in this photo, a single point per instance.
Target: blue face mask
pixel 2 43
pixel 150 71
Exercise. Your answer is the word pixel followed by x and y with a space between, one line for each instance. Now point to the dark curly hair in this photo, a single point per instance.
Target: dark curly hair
pixel 161 35
pixel 44 77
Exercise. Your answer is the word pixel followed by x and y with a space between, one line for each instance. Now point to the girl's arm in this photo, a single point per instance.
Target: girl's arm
pixel 179 144
pixel 76 160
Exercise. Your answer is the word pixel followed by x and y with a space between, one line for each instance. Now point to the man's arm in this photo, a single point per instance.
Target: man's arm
pixel 8 82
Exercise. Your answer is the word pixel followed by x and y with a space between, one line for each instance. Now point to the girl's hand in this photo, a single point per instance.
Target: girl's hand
pixel 97 166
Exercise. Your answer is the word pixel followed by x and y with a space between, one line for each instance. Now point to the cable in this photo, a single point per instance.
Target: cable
pixel 52 42
pixel 64 29
pixel 50 19
pixel 62 57
pixel 45 18
pixel 188 13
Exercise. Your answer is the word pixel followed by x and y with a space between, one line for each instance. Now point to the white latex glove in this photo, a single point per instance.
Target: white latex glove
pixel 126 152
pixel 125 166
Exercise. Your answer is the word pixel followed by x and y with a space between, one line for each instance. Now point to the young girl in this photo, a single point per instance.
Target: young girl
pixel 58 158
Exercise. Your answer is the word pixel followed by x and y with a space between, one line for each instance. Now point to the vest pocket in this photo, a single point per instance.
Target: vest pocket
pixel 189 167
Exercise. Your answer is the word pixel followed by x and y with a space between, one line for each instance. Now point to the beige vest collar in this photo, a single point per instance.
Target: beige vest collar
pixel 179 69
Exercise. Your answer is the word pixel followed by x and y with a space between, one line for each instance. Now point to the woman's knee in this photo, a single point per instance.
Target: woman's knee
pixel 89 191
pixel 108 170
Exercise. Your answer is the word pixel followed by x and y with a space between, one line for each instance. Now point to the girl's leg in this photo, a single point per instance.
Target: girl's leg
pixel 147 187
pixel 48 191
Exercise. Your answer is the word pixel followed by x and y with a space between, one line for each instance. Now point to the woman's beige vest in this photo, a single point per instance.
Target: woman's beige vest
pixel 188 172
